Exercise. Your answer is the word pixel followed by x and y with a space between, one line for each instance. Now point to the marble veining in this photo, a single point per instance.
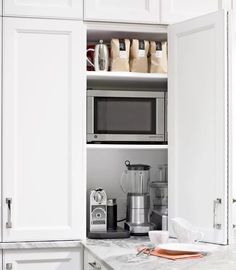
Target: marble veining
pixel 46 244
pixel 121 255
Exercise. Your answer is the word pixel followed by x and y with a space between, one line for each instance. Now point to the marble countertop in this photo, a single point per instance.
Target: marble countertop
pixel 121 255
pixel 43 244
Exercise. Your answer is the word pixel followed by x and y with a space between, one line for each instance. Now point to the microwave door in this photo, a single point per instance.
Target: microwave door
pixel 120 117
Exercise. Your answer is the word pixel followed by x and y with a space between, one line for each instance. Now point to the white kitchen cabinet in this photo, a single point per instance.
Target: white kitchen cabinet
pixel 179 10
pixel 137 11
pixel 91 263
pixel 198 124
pixel 64 9
pixel 232 123
pixel 0 117
pixel 1 252
pixel 43 130
pixel 46 259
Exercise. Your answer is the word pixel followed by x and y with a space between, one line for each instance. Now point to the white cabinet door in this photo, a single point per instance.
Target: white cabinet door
pixel 197 156
pixel 180 10
pixel 232 126
pixel 44 8
pixel 49 259
pixel 44 133
pixel 1 263
pixel 1 117
pixel 138 11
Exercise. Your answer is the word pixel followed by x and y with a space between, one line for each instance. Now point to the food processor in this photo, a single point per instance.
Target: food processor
pixel 135 183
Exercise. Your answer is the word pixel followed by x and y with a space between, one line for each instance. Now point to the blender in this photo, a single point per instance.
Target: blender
pixel 135 183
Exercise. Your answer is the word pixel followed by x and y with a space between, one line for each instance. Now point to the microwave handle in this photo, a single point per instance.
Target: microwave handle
pixel 160 116
pixel 90 115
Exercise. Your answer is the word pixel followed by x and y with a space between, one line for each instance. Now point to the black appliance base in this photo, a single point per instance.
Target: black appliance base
pixel 110 234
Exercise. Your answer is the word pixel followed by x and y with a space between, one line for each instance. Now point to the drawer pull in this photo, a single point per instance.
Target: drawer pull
pixel 8 266
pixel 8 223
pixel 94 265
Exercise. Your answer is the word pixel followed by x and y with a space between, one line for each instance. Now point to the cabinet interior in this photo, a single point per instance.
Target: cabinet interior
pixel 105 163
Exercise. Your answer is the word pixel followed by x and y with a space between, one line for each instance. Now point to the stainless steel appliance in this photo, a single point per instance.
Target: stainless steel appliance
pixel 98 210
pixel 101 57
pixel 137 178
pixel 125 116
pixel 159 198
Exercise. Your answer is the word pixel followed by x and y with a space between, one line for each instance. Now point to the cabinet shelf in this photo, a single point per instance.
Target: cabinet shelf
pixel 128 146
pixel 153 81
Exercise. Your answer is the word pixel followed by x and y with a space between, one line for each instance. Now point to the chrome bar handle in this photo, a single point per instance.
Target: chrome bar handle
pixel 95 266
pixel 8 223
pixel 8 266
pixel 215 224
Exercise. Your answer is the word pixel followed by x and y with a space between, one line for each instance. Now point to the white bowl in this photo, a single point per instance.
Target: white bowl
pixel 158 237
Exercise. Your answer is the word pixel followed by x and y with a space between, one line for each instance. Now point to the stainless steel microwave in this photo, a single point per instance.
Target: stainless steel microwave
pixel 125 116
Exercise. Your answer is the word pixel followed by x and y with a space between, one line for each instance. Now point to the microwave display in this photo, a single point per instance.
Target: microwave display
pixel 119 115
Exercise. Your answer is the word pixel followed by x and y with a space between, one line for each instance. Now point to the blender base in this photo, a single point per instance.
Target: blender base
pixel 139 229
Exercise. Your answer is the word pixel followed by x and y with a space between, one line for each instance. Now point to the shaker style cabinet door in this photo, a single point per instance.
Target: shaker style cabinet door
pixel 43 130
pixel 197 124
pixel 67 9
pixel 135 11
pixel 179 10
pixel 46 259
pixel 0 120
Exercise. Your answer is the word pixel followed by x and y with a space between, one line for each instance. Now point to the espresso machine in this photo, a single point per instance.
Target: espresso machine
pixel 135 183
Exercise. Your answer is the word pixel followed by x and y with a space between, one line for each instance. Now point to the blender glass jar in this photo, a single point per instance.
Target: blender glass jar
pixel 137 178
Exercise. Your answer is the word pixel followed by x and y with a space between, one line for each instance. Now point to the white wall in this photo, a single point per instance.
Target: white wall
pixel 105 167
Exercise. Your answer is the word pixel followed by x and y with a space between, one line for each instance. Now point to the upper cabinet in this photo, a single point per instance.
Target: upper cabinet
pixel 136 11
pixel 198 124
pixel 67 9
pixel 179 10
pixel 43 130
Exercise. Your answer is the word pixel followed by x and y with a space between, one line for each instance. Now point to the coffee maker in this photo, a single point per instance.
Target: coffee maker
pixel 103 217
pixel 135 183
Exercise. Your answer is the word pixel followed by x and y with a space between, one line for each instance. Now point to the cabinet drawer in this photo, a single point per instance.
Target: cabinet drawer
pixel 46 259
pixel 91 263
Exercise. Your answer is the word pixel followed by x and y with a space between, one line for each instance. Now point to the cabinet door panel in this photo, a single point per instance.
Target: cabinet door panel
pixel 197 128
pixel 1 119
pixel 44 8
pixel 43 129
pixel 179 10
pixel 139 11
pixel 62 259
